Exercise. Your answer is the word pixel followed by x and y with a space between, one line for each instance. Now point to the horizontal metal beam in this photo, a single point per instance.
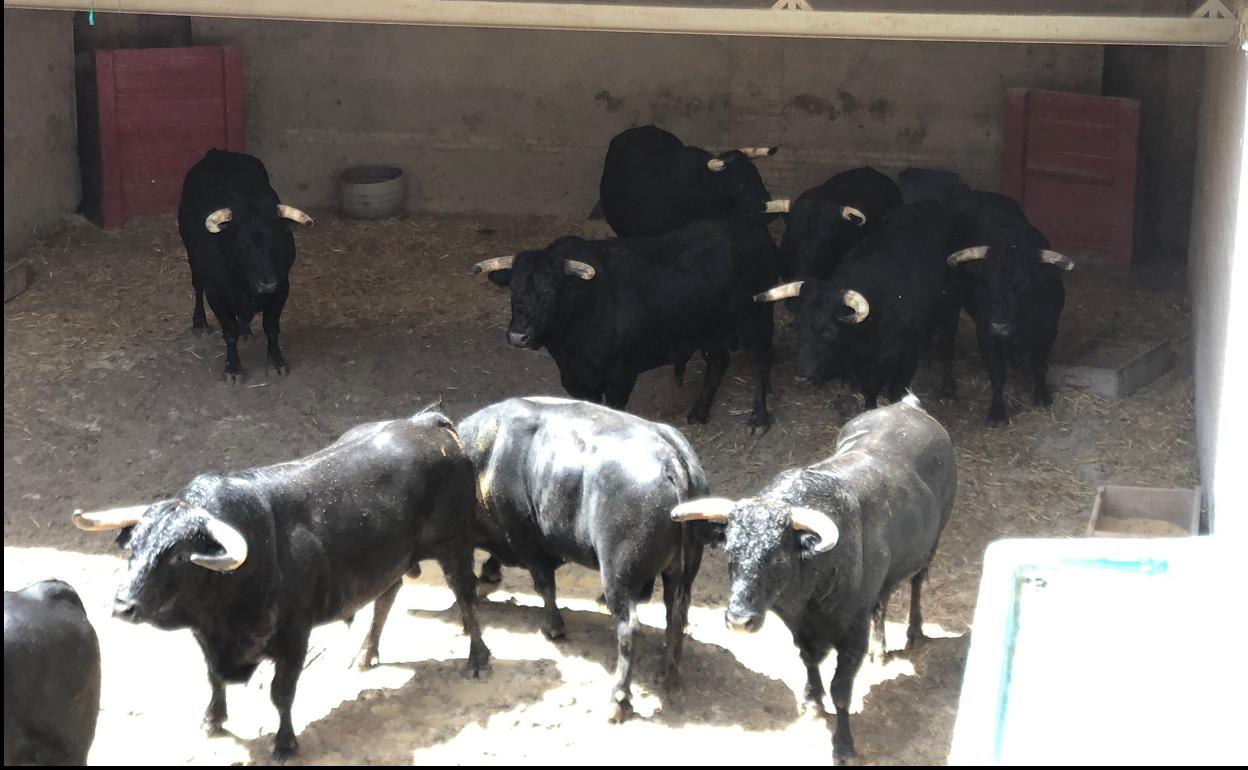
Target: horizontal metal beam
pixel 869 25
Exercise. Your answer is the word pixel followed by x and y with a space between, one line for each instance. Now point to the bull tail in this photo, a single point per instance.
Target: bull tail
pixel 911 400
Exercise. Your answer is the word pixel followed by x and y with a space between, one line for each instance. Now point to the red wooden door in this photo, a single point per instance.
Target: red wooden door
pixel 160 110
pixel 1070 160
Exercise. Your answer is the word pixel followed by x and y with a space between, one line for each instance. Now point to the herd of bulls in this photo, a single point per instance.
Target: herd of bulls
pixel 251 562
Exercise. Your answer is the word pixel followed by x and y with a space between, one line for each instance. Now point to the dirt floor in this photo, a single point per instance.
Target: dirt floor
pixel 110 400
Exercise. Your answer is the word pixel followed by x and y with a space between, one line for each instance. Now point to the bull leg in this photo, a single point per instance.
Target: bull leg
pixel 199 319
pixel 544 583
pixel 289 665
pixel 903 375
pixel 1040 371
pixel 914 632
pixel 994 360
pixel 272 328
pixel 945 354
pixel 491 575
pixel 624 610
pixel 760 358
pixel 849 656
pixel 878 649
pixel 215 715
pixel 680 371
pixel 677 595
pixel 229 332
pixel 458 570
pixel 244 326
pixel 368 656
pixel 619 388
pixel 812 651
pixel 716 358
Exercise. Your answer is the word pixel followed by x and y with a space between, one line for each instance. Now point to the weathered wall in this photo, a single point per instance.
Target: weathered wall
pixel 518 121
pixel 1219 272
pixel 40 140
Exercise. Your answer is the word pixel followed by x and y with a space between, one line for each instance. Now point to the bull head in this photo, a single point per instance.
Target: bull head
pixel 719 509
pixel 574 267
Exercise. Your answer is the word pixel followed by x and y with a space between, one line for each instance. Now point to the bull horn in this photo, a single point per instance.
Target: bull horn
pixel 783 291
pixel 293 214
pixel 706 509
pixel 1055 258
pixel 715 164
pixel 967 255
pixel 819 523
pixel 778 206
pixel 113 518
pixel 859 304
pixel 851 214
pixel 490 265
pixel 217 218
pixel 233 547
pixel 759 152
pixel 579 269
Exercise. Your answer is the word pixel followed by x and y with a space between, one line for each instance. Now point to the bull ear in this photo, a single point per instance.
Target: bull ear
pixel 233 546
pixel 818 524
pixel 1054 258
pixel 715 509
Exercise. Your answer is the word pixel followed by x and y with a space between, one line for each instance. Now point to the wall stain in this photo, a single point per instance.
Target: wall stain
pixel 849 102
pixel 612 103
pixel 880 109
pixel 473 119
pixel 813 105
pixel 912 136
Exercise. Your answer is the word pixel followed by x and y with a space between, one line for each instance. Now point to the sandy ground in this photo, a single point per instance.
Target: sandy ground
pixel 110 400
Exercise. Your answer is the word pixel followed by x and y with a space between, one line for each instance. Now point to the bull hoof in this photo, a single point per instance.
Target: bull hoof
pixel 1043 399
pixel 201 331
pixel 284 750
pixel 699 416
pixel 484 589
pixel 759 425
pixel 812 710
pixel 998 416
pixel 367 660
pixel 213 728
pixel 915 641
pixel 233 377
pixel 620 712
pixel 843 752
pixel 554 634
pixel 279 367
pixel 477 668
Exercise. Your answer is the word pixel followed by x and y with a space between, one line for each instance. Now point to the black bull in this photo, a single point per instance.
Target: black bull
pixel 252 561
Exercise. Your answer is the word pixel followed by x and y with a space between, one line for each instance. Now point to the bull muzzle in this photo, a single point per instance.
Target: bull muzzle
pixel 126 609
pixel 520 339
pixel 747 624
pixel 1000 329
pixel 266 287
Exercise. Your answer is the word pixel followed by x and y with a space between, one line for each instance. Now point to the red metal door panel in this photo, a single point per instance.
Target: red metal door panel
pixel 160 110
pixel 1070 160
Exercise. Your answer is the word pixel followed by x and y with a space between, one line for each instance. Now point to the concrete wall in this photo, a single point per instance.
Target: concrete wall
pixel 1219 272
pixel 518 121
pixel 40 134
